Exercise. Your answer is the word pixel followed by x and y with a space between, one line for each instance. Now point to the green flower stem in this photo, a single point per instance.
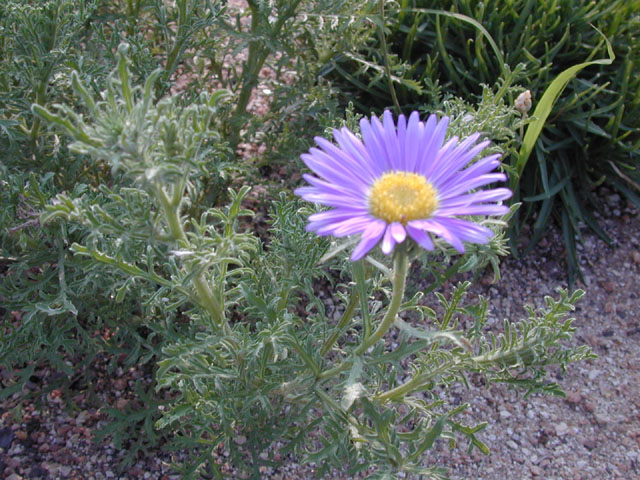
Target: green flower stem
pixel 398 284
pixel 332 372
pixel 523 355
pixel 418 381
pixel 385 56
pixel 205 296
pixel 360 276
pixel 344 321
pixel 41 96
pixel 400 261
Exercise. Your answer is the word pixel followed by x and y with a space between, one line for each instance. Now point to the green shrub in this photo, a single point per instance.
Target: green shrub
pixel 65 300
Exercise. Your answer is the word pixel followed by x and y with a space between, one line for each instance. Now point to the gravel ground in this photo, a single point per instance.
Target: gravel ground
pixel 593 433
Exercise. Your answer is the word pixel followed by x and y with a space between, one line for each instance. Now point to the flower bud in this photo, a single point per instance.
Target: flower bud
pixel 523 102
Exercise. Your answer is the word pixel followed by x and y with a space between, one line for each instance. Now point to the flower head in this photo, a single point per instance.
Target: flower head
pixel 402 181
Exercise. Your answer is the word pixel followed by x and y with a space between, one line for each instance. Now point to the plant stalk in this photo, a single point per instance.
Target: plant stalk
pixel 204 294
pixel 400 261
pixel 344 321
pixel 385 56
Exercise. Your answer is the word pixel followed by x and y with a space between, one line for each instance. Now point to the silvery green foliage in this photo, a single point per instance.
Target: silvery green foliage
pixel 74 309
pixel 164 152
pixel 36 39
pixel 261 343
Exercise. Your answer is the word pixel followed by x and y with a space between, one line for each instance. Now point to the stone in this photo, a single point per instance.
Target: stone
pixel 6 438
pixel 609 286
pixel 601 418
pixel 82 417
pixel 573 397
pixel 504 414
pixel 562 429
pixel 119 384
pixel 535 470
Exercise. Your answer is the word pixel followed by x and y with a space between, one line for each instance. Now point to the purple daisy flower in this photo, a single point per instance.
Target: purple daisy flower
pixel 402 181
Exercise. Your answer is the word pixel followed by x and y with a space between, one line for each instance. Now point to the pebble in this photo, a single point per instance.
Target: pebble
pixel 601 418
pixel 573 397
pixel 120 383
pixel 504 414
pixel 535 470
pixel 82 417
pixel 562 429
pixel 608 286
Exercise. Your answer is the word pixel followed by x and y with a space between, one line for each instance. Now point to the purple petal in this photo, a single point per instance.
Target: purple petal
pixel 342 190
pixel 402 133
pixel 473 183
pixel 440 226
pixel 352 226
pixel 485 165
pixel 390 137
pixel 352 153
pixel 376 150
pixel 432 142
pixel 397 232
pixel 370 237
pixel 415 131
pixel 420 237
pixel 469 231
pixel 334 170
pixel 344 174
pixel 388 241
pixel 479 209
pixel 452 161
pixel 336 215
pixel 492 195
pixel 338 223
pixel 314 195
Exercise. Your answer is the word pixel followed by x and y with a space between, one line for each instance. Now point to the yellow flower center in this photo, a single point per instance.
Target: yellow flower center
pixel 401 197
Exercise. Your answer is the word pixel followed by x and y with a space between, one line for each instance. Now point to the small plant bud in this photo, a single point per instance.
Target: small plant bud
pixel 523 102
